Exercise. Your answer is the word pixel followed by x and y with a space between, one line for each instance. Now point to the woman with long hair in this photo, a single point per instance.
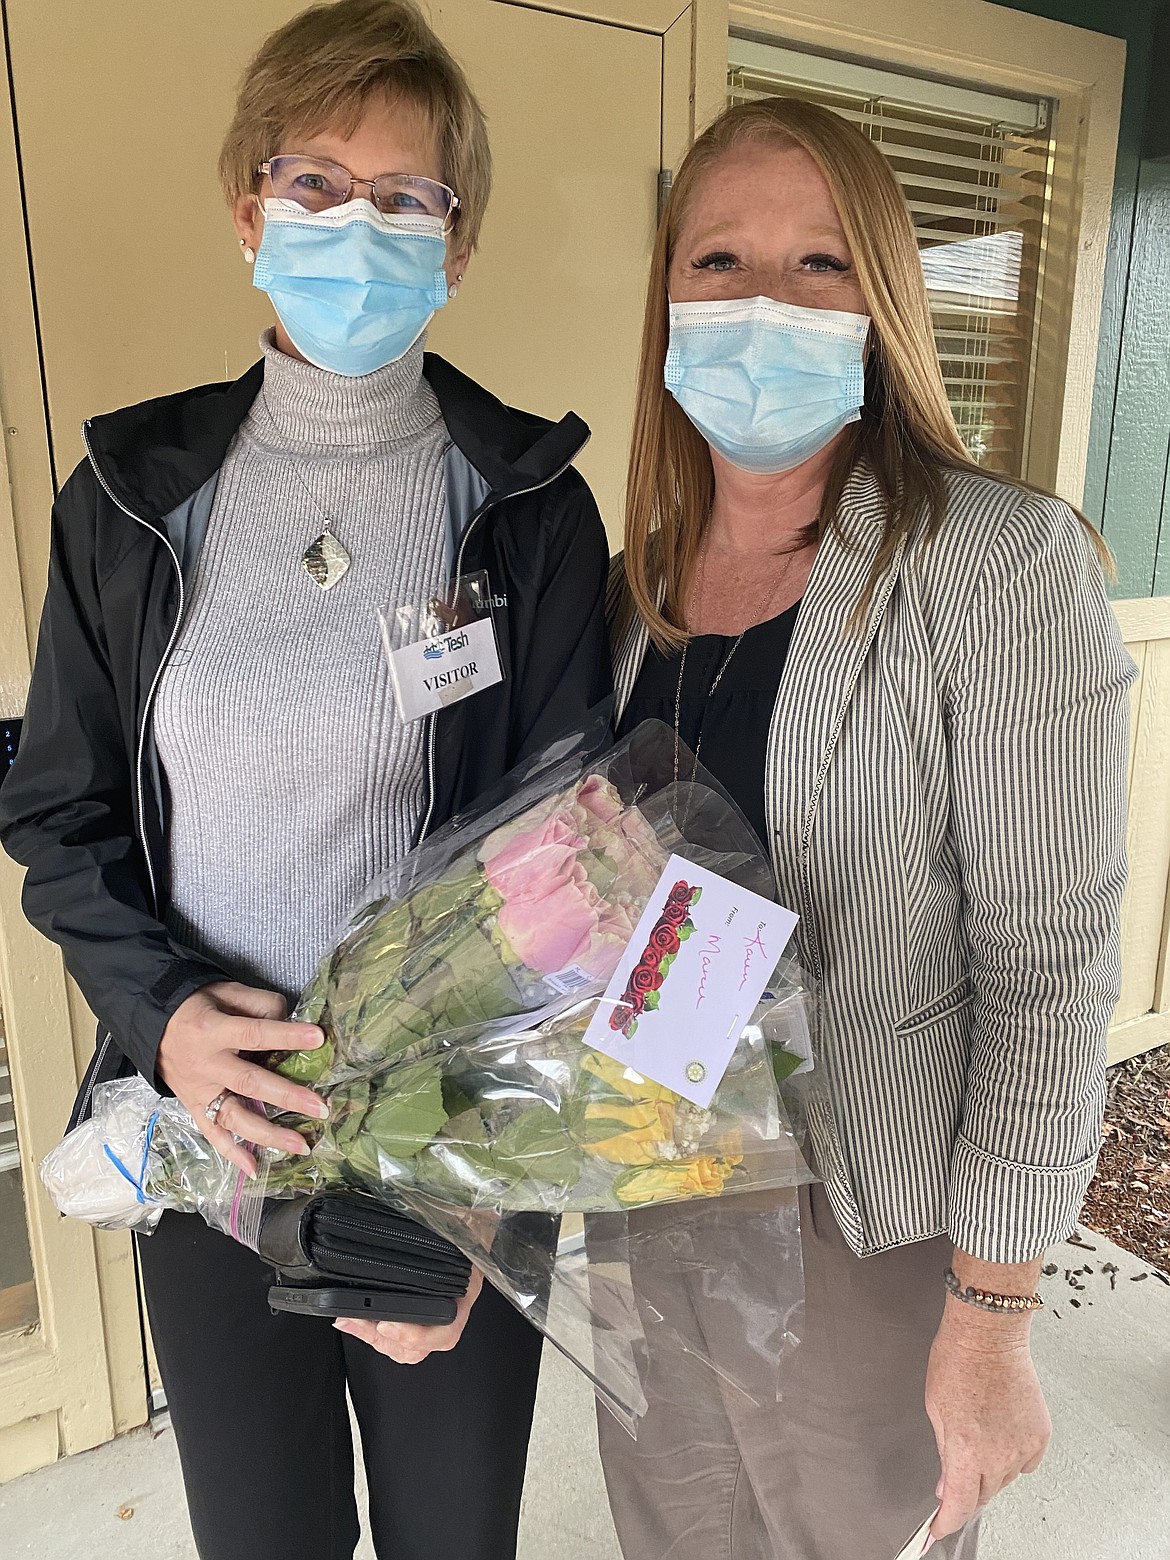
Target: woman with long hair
pixel 906 671
pixel 213 767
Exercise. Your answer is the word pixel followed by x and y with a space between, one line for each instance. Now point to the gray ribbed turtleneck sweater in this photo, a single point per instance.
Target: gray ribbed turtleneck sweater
pixel 292 780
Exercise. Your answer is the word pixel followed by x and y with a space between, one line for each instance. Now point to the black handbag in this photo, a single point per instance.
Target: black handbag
pixel 342 1254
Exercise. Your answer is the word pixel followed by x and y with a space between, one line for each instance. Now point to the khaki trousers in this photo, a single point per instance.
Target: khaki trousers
pixel 843 1468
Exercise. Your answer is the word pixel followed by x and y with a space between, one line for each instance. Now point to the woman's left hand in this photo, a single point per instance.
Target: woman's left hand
pixel 406 1342
pixel 987 1408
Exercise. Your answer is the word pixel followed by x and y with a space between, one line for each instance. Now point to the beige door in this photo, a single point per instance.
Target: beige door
pixel 136 287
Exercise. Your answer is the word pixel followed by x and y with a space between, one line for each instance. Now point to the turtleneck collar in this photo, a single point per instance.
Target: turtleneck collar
pixel 301 407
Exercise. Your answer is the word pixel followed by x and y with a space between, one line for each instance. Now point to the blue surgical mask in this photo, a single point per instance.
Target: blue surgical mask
pixel 767 384
pixel 354 289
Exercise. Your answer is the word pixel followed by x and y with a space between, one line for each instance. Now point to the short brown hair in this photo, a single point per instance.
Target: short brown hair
pixel 322 69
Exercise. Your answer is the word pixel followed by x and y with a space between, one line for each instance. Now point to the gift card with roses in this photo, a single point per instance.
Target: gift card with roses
pixel 690 979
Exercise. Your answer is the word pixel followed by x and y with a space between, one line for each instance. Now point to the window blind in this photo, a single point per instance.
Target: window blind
pixel 9 1157
pixel 976 170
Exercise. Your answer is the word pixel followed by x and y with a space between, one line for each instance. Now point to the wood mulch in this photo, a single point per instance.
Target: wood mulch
pixel 1129 1199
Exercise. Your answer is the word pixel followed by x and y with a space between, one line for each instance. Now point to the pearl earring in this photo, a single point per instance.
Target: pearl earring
pixel 249 252
pixel 453 290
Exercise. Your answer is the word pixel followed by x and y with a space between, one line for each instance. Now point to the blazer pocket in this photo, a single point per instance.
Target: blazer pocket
pixel 952 1002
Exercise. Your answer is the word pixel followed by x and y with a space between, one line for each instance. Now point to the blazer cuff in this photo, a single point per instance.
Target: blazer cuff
pixel 1001 1211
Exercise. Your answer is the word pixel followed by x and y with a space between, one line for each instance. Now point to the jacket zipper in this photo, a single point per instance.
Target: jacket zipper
pixel 149 704
pixel 89 1078
pixel 91 1072
pixel 487 505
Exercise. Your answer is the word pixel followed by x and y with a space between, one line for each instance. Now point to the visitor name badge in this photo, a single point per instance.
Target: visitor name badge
pixel 432 673
pixel 690 980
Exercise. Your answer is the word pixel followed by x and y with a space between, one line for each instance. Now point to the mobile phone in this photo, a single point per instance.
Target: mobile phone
pixel 372 1305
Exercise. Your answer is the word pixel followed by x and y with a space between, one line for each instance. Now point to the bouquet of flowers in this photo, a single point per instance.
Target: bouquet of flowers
pixel 462 1087
pixel 455 1006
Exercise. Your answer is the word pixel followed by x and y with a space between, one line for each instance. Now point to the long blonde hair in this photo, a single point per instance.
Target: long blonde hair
pixel 907 434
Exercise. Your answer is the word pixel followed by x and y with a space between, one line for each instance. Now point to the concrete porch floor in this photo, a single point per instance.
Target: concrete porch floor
pixel 1103 1493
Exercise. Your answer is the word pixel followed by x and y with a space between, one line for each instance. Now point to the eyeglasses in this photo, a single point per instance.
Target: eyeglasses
pixel 318 186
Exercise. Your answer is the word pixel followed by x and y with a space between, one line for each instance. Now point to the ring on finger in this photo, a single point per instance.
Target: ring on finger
pixel 216 1105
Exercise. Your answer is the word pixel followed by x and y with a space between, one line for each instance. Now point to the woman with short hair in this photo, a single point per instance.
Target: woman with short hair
pixel 906 671
pixel 213 768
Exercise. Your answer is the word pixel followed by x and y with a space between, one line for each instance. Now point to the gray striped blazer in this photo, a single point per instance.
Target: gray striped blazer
pixel 946 796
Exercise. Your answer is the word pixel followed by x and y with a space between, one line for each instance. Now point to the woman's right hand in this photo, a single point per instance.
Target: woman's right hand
pixel 200 1055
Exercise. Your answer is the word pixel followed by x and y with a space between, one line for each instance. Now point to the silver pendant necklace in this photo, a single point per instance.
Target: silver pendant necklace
pixel 325 559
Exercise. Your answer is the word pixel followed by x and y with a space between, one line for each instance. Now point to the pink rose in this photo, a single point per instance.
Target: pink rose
pixel 549 925
pixel 599 799
pixel 628 855
pixel 574 873
pixel 520 859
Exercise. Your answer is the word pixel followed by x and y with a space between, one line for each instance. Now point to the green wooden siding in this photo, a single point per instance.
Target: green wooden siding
pixel 1127 486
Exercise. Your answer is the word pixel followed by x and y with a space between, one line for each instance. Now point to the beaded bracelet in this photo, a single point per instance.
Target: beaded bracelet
pixel 1007 1304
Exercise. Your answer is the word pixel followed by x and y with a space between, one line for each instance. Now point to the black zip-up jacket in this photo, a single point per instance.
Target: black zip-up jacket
pixel 84 807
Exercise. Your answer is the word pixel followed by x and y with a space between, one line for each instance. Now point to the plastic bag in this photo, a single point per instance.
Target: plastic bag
pixel 517 912
pixel 114 1170
pixel 97 1173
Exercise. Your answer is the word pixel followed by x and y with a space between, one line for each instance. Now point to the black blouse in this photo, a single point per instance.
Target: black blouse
pixel 735 719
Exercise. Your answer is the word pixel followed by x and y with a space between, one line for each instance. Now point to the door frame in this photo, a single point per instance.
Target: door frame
pixel 74 1378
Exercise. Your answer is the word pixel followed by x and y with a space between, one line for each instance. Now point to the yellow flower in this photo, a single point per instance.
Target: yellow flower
pixel 624 1080
pixel 633 1134
pixel 702 1177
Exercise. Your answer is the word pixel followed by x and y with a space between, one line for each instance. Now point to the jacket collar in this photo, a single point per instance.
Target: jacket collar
pixel 154 456
pixel 825 661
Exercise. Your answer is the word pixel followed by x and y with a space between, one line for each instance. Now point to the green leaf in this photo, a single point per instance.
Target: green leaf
pixel 536 1143
pixel 407 1112
pixel 456 1101
pixel 685 930
pixel 784 1064
pixel 696 895
pixel 307 1066
pixel 347 1108
pixel 651 1002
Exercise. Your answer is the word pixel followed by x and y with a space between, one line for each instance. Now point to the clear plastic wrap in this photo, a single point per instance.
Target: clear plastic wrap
pixel 463 1091
pixel 116 1169
pixel 97 1173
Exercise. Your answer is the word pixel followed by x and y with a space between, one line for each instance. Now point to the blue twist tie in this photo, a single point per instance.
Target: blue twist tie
pixel 121 1168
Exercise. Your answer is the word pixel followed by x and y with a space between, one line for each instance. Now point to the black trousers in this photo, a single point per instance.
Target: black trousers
pixel 258 1404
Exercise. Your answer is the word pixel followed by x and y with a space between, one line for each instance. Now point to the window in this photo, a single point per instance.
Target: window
pixel 976 168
